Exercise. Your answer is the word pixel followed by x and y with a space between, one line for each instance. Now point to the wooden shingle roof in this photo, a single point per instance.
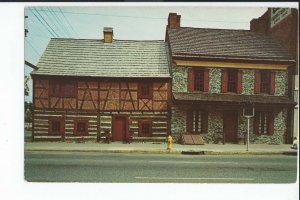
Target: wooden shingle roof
pixel 94 58
pixel 224 44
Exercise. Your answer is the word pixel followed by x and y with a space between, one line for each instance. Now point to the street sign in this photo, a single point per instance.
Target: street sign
pixel 248 112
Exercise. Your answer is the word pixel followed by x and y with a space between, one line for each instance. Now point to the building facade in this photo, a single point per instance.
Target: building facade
pixel 282 25
pixel 86 88
pixel 216 72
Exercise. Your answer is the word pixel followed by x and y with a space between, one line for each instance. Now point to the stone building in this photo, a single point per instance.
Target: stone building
pixel 282 25
pixel 216 72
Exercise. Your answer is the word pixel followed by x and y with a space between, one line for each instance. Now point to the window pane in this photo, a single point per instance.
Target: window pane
pixel 81 127
pixel 55 89
pixel 232 80
pixel 55 126
pixel 265 81
pixel 199 80
pixel 69 90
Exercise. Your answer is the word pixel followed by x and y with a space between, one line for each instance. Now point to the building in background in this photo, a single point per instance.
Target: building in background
pixel 216 72
pixel 84 88
pixel 282 25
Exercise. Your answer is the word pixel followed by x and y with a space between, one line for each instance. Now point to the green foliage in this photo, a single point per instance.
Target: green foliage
pixel 28 116
pixel 28 110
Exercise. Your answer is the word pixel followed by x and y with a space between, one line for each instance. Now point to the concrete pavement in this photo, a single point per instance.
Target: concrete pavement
pixel 160 148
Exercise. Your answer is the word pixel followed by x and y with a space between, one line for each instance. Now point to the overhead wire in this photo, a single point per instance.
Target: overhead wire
pixel 68 22
pixel 33 48
pixel 56 18
pixel 55 34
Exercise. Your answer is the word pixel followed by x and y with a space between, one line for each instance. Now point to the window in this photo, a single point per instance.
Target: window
pixel 197 121
pixel 263 123
pixel 55 89
pixel 232 80
pixel 145 91
pixel 56 126
pixel 80 127
pixel 69 90
pixel 145 128
pixel 264 82
pixel 63 89
pixel 198 79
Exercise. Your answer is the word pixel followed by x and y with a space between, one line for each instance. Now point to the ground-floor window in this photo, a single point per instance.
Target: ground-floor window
pixel 145 128
pixel 80 127
pixel 197 121
pixel 263 123
pixel 56 126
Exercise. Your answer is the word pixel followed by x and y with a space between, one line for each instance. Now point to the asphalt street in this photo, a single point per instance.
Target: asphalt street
pixel 159 168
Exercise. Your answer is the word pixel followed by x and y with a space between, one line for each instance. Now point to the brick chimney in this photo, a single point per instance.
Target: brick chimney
pixel 173 21
pixel 108 34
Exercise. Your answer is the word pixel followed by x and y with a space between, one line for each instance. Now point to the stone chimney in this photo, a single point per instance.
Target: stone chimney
pixel 173 20
pixel 108 34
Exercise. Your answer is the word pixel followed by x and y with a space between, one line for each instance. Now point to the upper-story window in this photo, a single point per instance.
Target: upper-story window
pixel 198 79
pixel 264 82
pixel 62 89
pixel 145 91
pixel 232 80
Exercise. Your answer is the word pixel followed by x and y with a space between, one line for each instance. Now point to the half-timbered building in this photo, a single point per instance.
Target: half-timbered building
pixel 216 72
pixel 86 87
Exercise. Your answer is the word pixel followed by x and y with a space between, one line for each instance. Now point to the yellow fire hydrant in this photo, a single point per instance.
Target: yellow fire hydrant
pixel 169 143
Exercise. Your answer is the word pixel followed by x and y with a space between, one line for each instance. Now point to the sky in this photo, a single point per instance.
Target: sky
pixel 128 23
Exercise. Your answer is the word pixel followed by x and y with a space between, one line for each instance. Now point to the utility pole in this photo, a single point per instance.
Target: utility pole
pixel 26 30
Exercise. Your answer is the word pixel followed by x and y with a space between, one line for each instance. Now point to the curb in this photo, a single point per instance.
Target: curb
pixel 170 152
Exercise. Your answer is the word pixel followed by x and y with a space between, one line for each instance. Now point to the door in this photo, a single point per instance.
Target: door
pixel 230 127
pixel 119 128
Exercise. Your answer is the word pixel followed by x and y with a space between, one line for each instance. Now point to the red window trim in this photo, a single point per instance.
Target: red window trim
pixel 140 123
pixel 269 123
pixel 150 88
pixel 191 79
pixel 76 131
pixel 52 83
pixel 62 126
pixel 204 121
pixel 257 89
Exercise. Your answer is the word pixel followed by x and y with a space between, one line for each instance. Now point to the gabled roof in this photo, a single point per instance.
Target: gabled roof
pixel 94 58
pixel 224 44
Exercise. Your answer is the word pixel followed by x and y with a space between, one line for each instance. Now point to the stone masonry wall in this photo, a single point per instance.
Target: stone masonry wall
pixel 179 79
pixel 215 80
pixel 248 82
pixel 281 82
pixel 178 122
pixel 215 127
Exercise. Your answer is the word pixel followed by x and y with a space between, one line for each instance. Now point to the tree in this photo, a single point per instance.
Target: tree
pixel 26 88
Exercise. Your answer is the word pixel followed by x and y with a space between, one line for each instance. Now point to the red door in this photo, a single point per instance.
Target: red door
pixel 119 128
pixel 230 126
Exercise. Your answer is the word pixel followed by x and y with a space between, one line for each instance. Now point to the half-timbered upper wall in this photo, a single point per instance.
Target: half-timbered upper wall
pixel 99 95
pixel 180 80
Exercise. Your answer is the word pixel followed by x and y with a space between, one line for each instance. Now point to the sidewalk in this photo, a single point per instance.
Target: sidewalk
pixel 160 148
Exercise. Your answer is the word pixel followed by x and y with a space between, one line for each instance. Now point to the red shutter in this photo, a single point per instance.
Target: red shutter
pixel 256 123
pixel 189 121
pixel 206 80
pixel 224 80
pixel 240 82
pixel 191 79
pixel 272 82
pixel 270 124
pixel 257 82
pixel 204 121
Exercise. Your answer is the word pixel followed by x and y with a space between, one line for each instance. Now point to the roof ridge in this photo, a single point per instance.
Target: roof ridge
pixel 102 40
pixel 218 29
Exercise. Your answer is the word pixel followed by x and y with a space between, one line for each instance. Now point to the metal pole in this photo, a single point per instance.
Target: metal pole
pixel 248 132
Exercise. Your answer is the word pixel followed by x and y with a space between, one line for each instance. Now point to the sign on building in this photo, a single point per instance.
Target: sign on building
pixel 278 14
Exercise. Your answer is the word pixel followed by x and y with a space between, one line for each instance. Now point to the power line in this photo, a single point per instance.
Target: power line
pixel 33 47
pixel 140 17
pixel 68 22
pixel 56 35
pixel 56 18
pixel 42 23
pixel 51 21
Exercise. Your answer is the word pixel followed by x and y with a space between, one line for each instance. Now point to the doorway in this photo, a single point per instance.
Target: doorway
pixel 119 128
pixel 230 119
